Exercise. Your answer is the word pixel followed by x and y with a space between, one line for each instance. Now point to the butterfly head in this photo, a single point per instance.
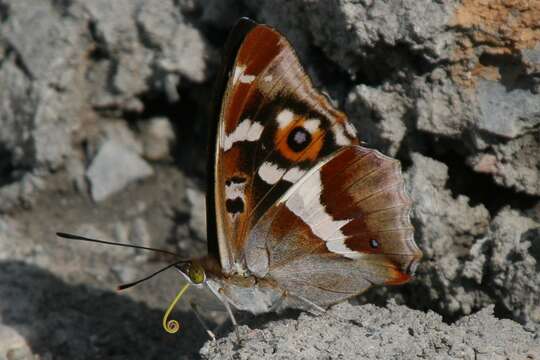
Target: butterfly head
pixel 193 271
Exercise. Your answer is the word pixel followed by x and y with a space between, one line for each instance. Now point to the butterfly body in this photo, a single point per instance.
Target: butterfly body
pixel 298 213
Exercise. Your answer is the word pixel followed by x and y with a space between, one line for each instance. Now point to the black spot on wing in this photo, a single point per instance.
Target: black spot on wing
pixel 235 205
pixel 235 180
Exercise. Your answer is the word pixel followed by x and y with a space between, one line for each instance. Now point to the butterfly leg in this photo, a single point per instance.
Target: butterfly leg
pixel 279 301
pixel 317 307
pixel 227 305
pixel 195 310
pixel 310 303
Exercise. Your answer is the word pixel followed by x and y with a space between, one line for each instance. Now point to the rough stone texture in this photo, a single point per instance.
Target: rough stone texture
pixel 512 264
pixel 113 168
pixel 80 59
pixel 447 228
pixel 371 332
pixel 197 204
pixel 158 137
pixel 13 345
pixel 450 88
pixel 514 164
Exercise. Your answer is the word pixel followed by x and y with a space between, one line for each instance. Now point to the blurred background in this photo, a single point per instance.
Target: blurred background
pixel 104 111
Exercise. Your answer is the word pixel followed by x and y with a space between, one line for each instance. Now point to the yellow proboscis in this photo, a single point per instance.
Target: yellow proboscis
pixel 172 326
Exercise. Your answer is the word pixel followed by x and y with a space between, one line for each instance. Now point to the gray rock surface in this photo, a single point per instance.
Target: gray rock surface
pixel 446 228
pixel 158 138
pixel 113 168
pixel 197 204
pixel 514 164
pixel 371 332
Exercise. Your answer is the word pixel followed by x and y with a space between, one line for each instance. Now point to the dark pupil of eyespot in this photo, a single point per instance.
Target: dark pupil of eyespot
pixel 298 139
pixel 234 205
pixel 374 243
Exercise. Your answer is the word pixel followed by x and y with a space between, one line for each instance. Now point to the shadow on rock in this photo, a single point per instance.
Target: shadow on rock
pixel 66 321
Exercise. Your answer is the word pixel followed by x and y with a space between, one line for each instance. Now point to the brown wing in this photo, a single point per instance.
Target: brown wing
pixel 273 127
pixel 342 228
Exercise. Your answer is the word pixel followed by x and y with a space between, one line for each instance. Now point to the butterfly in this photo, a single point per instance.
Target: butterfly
pixel 297 210
pixel 299 214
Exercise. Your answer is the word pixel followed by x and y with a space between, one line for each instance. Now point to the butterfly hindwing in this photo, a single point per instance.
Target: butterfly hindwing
pixel 273 127
pixel 340 229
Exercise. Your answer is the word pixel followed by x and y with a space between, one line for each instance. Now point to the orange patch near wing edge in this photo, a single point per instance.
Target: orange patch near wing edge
pixel 398 278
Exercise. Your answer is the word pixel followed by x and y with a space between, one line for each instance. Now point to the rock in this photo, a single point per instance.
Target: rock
pixel 119 132
pixel 13 346
pixel 181 48
pixel 76 172
pixel 507 113
pixel 513 164
pixel 140 236
pixel 113 168
pixel 371 332
pixel 441 107
pixel 41 100
pixel 21 192
pixel 9 233
pixel 82 57
pixel 197 220
pixel 125 273
pixel 380 117
pixel 509 271
pixel 518 163
pixel 151 45
pixel 158 136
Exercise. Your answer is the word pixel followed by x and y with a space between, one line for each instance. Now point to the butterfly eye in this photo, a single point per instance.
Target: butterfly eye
pixel 298 139
pixel 196 273
pixel 374 243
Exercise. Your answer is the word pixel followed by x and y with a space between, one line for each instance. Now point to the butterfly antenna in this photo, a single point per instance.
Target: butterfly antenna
pixel 131 284
pixel 82 238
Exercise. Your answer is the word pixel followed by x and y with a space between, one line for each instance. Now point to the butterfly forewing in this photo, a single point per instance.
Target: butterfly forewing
pixel 273 127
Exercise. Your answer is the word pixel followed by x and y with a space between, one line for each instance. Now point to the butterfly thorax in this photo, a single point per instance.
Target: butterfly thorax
pixel 243 290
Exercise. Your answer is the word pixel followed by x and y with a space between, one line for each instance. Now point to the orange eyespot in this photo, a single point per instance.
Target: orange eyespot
pixel 298 141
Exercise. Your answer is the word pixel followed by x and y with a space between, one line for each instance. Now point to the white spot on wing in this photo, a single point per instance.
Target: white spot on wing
pixel 238 71
pixel 268 78
pixel 293 174
pixel 270 173
pixel 233 191
pixel 312 125
pixel 284 118
pixel 304 202
pixel 254 132
pixel 339 134
pixel 239 75
pixel 247 79
pixel 350 129
pixel 245 131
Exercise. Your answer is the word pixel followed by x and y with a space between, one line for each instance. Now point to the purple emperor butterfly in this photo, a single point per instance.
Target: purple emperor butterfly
pixel 298 213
